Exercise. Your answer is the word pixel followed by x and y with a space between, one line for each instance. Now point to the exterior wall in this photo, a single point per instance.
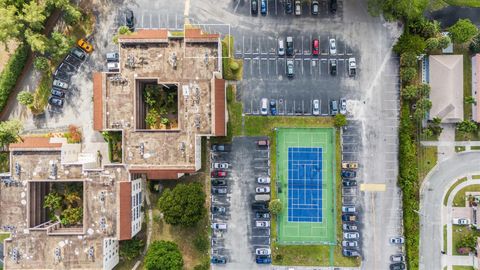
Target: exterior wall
pixel 110 253
pixel 137 202
pixel 476 87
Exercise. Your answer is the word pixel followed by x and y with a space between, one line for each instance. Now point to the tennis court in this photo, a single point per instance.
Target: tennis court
pixel 306 171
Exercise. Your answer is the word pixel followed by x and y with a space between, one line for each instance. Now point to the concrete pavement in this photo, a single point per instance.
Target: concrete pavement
pixel 432 192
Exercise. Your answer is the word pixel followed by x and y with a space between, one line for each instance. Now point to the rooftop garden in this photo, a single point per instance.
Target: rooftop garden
pixel 64 203
pixel 161 103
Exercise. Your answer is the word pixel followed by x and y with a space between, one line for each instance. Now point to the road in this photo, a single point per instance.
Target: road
pixel 432 192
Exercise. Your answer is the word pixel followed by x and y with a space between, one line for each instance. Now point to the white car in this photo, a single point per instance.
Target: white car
pixel 461 221
pixel 349 209
pixel 351 235
pixel 60 84
pixel 333 46
pixel 264 106
pixel 262 224
pixel 263 180
pixel 263 251
pixel 397 240
pixel 262 190
pixel 349 244
pixel 343 106
pixel 316 107
pixel 222 165
pixel 219 226
pixel 113 66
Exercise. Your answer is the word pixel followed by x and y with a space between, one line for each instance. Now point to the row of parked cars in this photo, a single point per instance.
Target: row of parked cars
pixel 351 233
pixel 64 72
pixel 219 208
pixel 270 107
pixel 292 6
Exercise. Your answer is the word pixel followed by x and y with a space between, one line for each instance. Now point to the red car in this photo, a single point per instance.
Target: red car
pixel 219 174
pixel 315 47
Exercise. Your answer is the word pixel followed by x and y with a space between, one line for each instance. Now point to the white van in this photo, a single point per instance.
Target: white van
pixel 264 106
pixel 281 47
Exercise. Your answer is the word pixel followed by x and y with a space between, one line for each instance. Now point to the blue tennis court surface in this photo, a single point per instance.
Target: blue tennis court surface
pixel 304 184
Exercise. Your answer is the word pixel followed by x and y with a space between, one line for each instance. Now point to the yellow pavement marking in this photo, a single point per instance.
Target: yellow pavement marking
pixel 372 187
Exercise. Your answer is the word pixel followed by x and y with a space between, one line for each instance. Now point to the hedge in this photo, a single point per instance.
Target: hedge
pixel 11 72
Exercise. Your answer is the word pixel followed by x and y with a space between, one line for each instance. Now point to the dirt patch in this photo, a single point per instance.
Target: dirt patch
pixel 5 53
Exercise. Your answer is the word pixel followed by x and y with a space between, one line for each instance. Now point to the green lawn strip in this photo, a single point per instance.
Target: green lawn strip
pixel 467 81
pixel 4 236
pixel 462 267
pixel 4 162
pixel 464 3
pixel 459 149
pixel 427 159
pixel 475 147
pixel 301 255
pixel 475 176
pixel 457 233
pixel 437 4
pixel 445 237
pixel 234 125
pixel 458 182
pixel 459 199
pixel 264 125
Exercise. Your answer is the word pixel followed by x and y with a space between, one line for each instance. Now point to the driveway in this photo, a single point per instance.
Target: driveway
pixel 442 176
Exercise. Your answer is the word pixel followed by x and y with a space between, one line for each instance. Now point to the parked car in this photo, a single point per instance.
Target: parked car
pixel 219 182
pixel 260 190
pixel 333 107
pixel 350 253
pixel 315 47
pixel 298 8
pixel 349 227
pixel 290 50
pixel 262 224
pixel 333 46
pixel 262 215
pixel 80 54
pixel 262 206
pixel 461 221
pixel 288 7
pixel 263 7
pixel 113 66
pixel 112 57
pixel 349 217
pixel 254 6
pixel 85 45
pixel 273 107
pixel 219 226
pixel 263 251
pixel 281 47
pixel 398 240
pixel 129 19
pixel 263 180
pixel 220 165
pixel 264 106
pixel 222 147
pixel 290 72
pixel 352 165
pixel 218 174
pixel 343 106
pixel 349 209
pixel 349 183
pixel 57 92
pixel 263 259
pixel 60 84
pixel 55 101
pixel 397 258
pixel 333 6
pixel 314 7
pixel 262 197
pixel 263 143
pixel 349 244
pixel 333 67
pixel 349 174
pixel 219 190
pixel 351 235
pixel 397 266
pixel 218 260
pixel 219 209
pixel 316 107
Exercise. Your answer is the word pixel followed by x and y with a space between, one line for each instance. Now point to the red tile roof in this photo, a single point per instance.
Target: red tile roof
pixel 125 210
pixel 35 142
pixel 97 101
pixel 220 111
pixel 146 35
pixel 196 34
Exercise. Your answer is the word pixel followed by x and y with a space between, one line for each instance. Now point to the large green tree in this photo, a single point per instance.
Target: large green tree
pixel 37 41
pixel 184 205
pixel 34 15
pixel 463 31
pixel 410 43
pixel 163 255
pixel 10 26
pixel 467 126
pixel 398 9
pixel 9 132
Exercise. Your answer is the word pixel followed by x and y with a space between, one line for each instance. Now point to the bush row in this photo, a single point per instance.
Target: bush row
pixel 11 72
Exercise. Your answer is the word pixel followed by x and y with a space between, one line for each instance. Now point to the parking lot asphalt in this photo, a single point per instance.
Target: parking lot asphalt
pixel 238 243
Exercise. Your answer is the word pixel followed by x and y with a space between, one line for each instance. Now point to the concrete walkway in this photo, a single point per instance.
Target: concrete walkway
pixel 450 143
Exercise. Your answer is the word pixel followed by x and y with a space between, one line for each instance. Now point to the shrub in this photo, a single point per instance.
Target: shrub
pixel 408 74
pixel 184 205
pixel 408 59
pixel 432 44
pixel 41 63
pixel 201 243
pixel 163 255
pixel 275 206
pixel 463 31
pixel 130 249
pixel 467 126
pixel 73 135
pixel 25 98
pixel 11 72
pixel 409 43
pixel 444 41
pixel 340 120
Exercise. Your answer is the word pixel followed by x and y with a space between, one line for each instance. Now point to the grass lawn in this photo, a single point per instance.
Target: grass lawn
pixel 458 182
pixel 459 199
pixel 475 176
pixel 235 109
pixel 467 80
pixel 427 159
pixel 4 162
pixel 436 5
pixel 457 233
pixel 475 147
pixel 445 237
pixel 464 3
pixel 461 267
pixel 4 236
pixel 459 149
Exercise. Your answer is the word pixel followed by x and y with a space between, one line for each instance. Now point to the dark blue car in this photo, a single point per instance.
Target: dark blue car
pixel 261 259
pixel 273 107
pixel 218 260
pixel 348 174
pixel 263 7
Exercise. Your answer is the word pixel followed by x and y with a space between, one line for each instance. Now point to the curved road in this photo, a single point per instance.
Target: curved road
pixel 432 192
